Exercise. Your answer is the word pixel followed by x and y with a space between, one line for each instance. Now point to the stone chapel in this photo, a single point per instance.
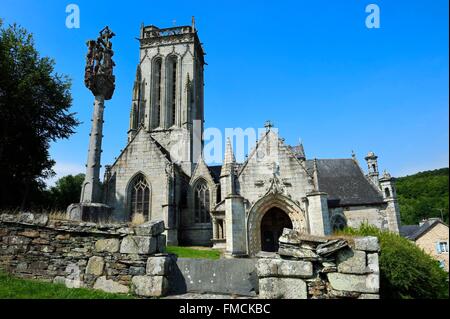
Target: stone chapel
pixel 240 207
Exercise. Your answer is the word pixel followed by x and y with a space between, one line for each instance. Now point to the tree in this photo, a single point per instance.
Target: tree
pixel 66 191
pixel 34 111
pixel 406 271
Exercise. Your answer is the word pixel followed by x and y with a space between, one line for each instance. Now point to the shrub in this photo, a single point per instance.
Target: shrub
pixel 406 271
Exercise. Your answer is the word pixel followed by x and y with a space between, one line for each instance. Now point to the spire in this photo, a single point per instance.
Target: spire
pixel 229 156
pixel 227 171
pixel 137 84
pixel 316 176
pixel 300 151
pixel 193 23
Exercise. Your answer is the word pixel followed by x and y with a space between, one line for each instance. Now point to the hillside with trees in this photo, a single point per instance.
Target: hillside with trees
pixel 423 195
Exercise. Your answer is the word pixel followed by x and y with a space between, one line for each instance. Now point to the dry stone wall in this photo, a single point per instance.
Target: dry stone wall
pixel 113 258
pixel 312 267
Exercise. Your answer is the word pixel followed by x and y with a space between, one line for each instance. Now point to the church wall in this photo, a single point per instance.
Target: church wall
pixel 374 215
pixel 190 232
pixel 141 155
pixel 254 180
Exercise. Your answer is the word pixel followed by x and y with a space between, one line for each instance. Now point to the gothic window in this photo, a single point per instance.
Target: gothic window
pixel 201 204
pixel 172 89
pixel 387 192
pixel 157 92
pixel 140 196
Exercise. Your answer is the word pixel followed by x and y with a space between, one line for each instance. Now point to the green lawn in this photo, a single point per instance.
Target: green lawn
pixel 16 288
pixel 194 252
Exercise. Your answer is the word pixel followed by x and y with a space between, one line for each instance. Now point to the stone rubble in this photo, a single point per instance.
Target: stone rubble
pixel 312 267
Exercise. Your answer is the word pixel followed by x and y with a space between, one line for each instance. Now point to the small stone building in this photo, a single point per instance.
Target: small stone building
pixel 242 207
pixel 432 236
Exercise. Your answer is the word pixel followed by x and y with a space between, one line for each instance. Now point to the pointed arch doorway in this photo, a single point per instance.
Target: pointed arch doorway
pixel 272 225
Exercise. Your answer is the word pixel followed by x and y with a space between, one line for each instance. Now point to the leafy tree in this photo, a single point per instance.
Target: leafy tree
pixel 66 191
pixel 34 111
pixel 406 271
pixel 423 195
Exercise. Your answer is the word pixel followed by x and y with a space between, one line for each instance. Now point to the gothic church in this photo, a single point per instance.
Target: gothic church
pixel 240 207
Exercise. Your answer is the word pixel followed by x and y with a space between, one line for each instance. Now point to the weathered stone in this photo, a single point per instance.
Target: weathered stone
pixel 351 261
pixel 373 263
pixel 111 286
pixel 358 283
pixel 33 219
pixel 343 294
pixel 110 245
pixel 138 245
pixel 267 254
pixel 151 228
pixel 149 286
pixel 369 243
pixel 136 271
pixel 293 237
pixel 62 237
pixel 282 288
pixel 69 283
pixel 284 268
pixel 18 240
pixel 289 236
pixel 369 296
pixel 41 241
pixel 158 266
pixel 29 233
pixel 95 266
pixel 47 249
pixel 22 266
pixel 161 243
pixel 292 251
pixel 331 247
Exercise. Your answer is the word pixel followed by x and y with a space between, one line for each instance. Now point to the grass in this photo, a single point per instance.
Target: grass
pixel 16 288
pixel 194 252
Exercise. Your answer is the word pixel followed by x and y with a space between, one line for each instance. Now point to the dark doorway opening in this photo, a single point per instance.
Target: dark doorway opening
pixel 272 225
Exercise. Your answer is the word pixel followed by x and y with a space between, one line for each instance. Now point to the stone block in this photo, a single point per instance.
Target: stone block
pixel 69 283
pixel 373 263
pixel 151 228
pixel 161 243
pixel 136 271
pixel 369 296
pixel 149 286
pixel 369 243
pixel 138 245
pixel 351 261
pixel 95 266
pixel 29 233
pixel 111 286
pixel 357 283
pixel 282 288
pixel 158 266
pixel 33 219
pixel 284 268
pixel 110 245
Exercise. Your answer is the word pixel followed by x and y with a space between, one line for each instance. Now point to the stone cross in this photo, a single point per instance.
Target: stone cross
pixel 100 80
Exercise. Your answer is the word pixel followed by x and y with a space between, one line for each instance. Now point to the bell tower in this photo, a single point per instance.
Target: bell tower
pixel 168 91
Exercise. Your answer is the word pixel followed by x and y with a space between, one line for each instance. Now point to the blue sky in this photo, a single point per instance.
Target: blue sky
pixel 312 67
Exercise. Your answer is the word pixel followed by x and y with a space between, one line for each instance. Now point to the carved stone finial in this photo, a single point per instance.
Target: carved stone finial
pixel 98 75
pixel 268 125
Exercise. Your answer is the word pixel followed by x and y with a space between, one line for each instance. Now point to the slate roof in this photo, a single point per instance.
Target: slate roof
pixel 215 172
pixel 413 232
pixel 345 183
